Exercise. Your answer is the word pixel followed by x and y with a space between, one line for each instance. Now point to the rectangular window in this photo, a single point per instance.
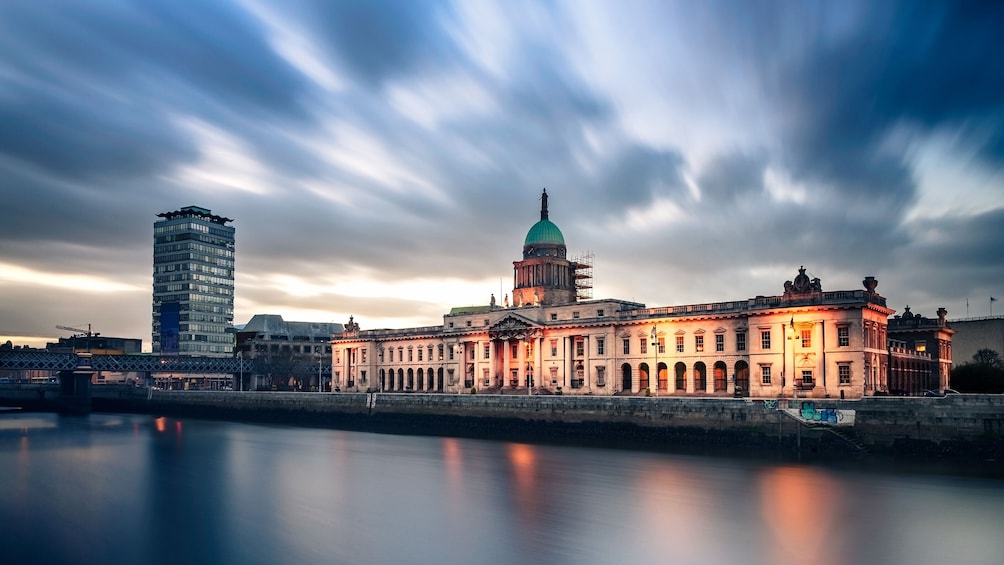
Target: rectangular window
pixel 575 315
pixel 719 342
pixel 391 351
pixel 765 339
pixel 450 355
pixel 419 353
pixel 363 360
pixel 599 346
pixel 807 377
pixel 844 372
pixel 699 343
pixel 599 313
pixel 411 355
pixel 554 348
pixel 514 351
pixel 554 316
pixel 430 353
pixel 662 345
pixel 468 323
pixel 580 348
pixel 472 353
pixel 601 376
pixel 765 374
pixel 627 346
pixel 920 346
pixel 806 338
pixel 679 344
pixel 488 351
pixel 644 345
pixel 843 336
pixel 440 346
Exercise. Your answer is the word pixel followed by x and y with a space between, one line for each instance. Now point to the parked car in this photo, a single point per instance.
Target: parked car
pixel 948 391
pixel 930 392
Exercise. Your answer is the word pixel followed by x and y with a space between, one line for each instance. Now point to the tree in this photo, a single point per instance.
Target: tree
pixel 987 358
pixel 984 375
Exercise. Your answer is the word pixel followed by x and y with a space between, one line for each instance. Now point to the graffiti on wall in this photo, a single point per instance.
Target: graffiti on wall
pixel 810 414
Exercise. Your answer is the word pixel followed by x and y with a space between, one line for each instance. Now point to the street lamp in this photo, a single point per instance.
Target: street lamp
pixel 792 337
pixel 655 346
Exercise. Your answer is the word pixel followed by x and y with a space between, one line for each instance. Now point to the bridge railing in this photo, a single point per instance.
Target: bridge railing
pixel 19 359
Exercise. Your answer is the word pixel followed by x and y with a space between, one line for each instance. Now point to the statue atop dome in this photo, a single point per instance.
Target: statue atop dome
pixel 543 205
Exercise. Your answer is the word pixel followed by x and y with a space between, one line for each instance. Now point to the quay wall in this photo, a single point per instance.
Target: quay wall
pixel 957 424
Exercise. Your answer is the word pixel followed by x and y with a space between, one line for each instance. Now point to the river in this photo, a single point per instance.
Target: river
pixel 114 489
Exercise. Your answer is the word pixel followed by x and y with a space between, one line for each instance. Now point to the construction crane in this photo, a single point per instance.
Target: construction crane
pixel 86 332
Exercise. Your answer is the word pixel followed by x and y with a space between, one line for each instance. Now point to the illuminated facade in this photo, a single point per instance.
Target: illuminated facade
pixel 804 342
pixel 193 283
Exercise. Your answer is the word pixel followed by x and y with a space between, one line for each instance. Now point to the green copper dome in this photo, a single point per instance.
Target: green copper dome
pixel 544 231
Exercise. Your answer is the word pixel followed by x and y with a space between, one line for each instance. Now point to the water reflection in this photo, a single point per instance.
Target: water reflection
pixel 799 506
pixel 136 489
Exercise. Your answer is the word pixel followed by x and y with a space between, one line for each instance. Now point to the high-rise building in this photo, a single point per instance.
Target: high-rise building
pixel 193 283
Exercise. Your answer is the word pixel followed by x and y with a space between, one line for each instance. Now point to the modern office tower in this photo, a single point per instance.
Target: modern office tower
pixel 193 283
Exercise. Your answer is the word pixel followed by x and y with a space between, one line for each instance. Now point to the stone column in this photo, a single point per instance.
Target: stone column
pixel 506 363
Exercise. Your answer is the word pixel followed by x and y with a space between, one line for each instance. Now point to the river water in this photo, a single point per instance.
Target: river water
pixel 138 489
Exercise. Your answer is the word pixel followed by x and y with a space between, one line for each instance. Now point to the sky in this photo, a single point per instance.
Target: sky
pixel 384 159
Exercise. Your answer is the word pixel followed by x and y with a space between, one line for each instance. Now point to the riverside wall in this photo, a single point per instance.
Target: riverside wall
pixel 957 425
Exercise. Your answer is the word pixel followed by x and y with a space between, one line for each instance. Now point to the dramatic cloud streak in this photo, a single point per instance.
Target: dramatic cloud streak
pixel 384 158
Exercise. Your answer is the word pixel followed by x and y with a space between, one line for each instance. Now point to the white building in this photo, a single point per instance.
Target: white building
pixel 803 342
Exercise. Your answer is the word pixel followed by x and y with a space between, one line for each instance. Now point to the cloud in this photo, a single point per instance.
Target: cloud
pixel 702 150
pixel 378 41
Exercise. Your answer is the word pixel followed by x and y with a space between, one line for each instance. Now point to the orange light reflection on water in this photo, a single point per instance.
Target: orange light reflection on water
pixel 800 506
pixel 523 460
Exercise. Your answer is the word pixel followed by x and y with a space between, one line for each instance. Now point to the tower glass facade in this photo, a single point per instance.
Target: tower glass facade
pixel 193 283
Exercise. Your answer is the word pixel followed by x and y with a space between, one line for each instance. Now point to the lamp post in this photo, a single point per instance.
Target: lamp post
pixel 792 338
pixel 240 364
pixel 655 346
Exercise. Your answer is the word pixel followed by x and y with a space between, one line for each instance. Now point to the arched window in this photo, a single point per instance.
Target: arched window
pixel 721 371
pixel 681 376
pixel 700 377
pixel 626 377
pixel 643 376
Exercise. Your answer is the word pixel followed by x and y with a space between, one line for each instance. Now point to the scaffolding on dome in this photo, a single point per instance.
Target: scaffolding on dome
pixel 582 267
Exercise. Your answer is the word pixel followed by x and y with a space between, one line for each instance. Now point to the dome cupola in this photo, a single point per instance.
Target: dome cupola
pixel 544 237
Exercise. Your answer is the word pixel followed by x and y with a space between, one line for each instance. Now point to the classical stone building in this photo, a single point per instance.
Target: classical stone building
pixel 804 342
pixel 920 352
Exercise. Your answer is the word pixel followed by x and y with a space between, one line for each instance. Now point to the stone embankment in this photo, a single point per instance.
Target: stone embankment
pixel 954 426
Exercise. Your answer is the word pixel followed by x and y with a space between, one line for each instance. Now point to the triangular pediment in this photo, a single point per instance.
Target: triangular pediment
pixel 512 327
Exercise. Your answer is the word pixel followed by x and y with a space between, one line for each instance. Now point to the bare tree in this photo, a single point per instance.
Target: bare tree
pixel 987 358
